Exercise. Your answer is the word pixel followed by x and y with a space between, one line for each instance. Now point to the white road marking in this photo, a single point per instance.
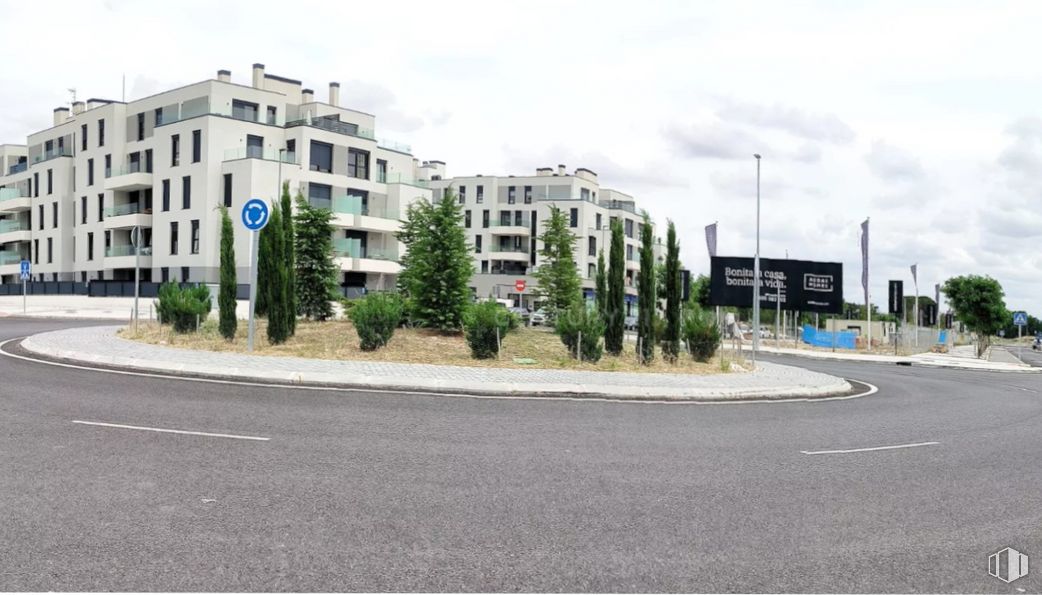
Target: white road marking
pixel 168 431
pixel 837 452
pixel 872 389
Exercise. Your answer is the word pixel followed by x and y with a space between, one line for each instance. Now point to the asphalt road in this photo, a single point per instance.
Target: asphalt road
pixel 375 492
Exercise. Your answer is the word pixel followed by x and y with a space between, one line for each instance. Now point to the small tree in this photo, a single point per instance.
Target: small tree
pixel 277 298
pixel 289 244
pixel 375 318
pixel 601 284
pixel 316 271
pixel 265 268
pixel 415 234
pixel 700 291
pixel 614 308
pixel 978 303
pixel 557 275
pixel 646 294
pixel 580 329
pixel 671 341
pixel 226 295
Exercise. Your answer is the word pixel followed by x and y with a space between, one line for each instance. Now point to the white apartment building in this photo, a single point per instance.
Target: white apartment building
pixel 71 196
pixel 504 215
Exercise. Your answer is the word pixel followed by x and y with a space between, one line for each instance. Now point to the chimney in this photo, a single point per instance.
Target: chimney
pixel 561 169
pixel 258 76
pixel 544 171
pixel 334 94
pixel 307 96
pixel 77 107
pixel 60 115
pixel 225 76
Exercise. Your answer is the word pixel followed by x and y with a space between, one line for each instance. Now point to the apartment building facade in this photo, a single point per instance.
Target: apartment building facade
pixel 71 197
pixel 505 215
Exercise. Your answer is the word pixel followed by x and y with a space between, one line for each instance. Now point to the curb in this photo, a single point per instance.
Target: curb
pixel 908 361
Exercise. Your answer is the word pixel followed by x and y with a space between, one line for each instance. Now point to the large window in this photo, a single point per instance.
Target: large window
pixel 244 110
pixel 254 146
pixel 228 190
pixel 321 157
pixel 272 115
pixel 186 192
pixel 358 164
pixel 479 196
pixel 511 195
pixel 462 194
pixel 175 150
pixel 381 170
pixel 195 236
pixel 320 196
pixel 173 238
pixel 528 195
pixel 197 146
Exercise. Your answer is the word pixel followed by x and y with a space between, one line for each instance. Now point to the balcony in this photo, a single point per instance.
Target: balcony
pixel 14 230
pixel 13 200
pixel 517 252
pixel 332 125
pixel 350 212
pixel 352 256
pixel 619 205
pixel 261 153
pixel 397 178
pixel 17 168
pixel 394 146
pixel 128 177
pixel 8 257
pixel 127 215
pixel 511 227
pixel 121 256
pixel 53 154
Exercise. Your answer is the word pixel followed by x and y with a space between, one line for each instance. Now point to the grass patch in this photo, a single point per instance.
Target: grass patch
pixel 337 340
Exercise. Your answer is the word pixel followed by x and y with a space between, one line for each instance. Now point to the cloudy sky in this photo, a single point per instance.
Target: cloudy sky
pixel 924 116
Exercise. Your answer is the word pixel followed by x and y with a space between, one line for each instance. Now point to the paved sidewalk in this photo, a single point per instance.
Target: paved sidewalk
pixel 961 357
pixel 100 345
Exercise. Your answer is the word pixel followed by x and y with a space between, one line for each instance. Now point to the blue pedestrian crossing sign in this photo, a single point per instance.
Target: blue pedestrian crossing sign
pixel 255 214
pixel 1020 318
pixel 25 270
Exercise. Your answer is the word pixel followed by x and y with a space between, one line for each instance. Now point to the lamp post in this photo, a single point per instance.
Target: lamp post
pixel 756 268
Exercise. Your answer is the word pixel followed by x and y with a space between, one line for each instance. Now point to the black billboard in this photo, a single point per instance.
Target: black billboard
pixel 897 297
pixel 804 285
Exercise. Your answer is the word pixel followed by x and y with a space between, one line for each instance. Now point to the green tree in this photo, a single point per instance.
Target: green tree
pixel 671 342
pixel 289 256
pixel 438 268
pixel 414 233
pixel 313 251
pixel 265 267
pixel 601 284
pixel 978 302
pixel 557 276
pixel 615 306
pixel 277 298
pixel 646 294
pixel 700 291
pixel 226 294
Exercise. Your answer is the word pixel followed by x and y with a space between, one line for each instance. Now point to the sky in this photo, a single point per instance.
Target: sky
pixel 924 116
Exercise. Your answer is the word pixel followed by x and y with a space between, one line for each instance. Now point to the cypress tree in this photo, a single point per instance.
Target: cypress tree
pixel 615 306
pixel 671 342
pixel 276 287
pixel 264 269
pixel 289 256
pixel 226 295
pixel 600 297
pixel 646 294
pixel 315 270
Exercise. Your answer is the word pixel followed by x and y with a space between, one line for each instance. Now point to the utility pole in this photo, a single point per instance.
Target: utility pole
pixel 756 268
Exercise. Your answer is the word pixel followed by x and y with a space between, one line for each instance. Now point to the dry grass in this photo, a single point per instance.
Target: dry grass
pixel 337 340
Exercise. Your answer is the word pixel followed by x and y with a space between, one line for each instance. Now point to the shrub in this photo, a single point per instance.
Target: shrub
pixel 701 334
pixel 579 319
pixel 480 322
pixel 375 317
pixel 183 306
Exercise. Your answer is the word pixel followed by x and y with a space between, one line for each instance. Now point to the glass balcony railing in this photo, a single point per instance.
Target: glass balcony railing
pixel 53 153
pixel 334 126
pixel 9 193
pixel 17 168
pixel 10 257
pixel 352 248
pixel 129 208
pixel 128 168
pixel 512 222
pixel 397 178
pixel 261 153
pixel 522 247
pixel 13 225
pixel 394 146
pixel 618 204
pixel 126 250
pixel 353 205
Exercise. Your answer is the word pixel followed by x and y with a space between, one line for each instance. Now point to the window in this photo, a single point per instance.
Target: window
pixel 291 150
pixel 164 274
pixel 48 148
pixel 101 133
pixel 83 210
pixel 184 273
pixel 141 126
pixel 519 218
pixel 244 110
pixel 228 190
pixel 629 252
pixel 254 146
pixel 108 166
pixel 466 219
pixel 629 228
pixel 598 226
pixel 30 189
pixel 135 162
pixel 36 185
pixel 159 116
pixel 101 207
pixel 477 244
pixel 592 241
pixel 197 146
pixel 358 164
pixel 108 241
pixel 528 195
pixel 484 218
pixel 591 271
pixel 148 160
pixel 480 196
pixel 173 238
pixel 381 170
pixel 41 216
pixel 320 196
pixel 512 195
pixel 50 181
pixel 175 150
pixel 166 195
pixel 574 218
pixel 50 250
pixel 90 172
pixel 195 236
pixel 186 192
pixel 36 251
pixel 584 194
pixel 462 194
pixel 83 137
pixel 484 266
pixel 272 114
pixel 321 157
pixel 54 215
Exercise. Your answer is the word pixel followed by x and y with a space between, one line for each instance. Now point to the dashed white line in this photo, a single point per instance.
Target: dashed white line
pixel 849 450
pixel 169 431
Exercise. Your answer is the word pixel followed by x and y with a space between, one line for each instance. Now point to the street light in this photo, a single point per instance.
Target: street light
pixel 756 268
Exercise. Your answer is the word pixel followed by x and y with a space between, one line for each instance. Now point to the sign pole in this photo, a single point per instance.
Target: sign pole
pixel 254 218
pixel 137 272
pixel 253 288
pixel 23 295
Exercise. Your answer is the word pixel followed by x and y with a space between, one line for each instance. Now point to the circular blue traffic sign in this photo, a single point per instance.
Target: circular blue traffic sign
pixel 255 214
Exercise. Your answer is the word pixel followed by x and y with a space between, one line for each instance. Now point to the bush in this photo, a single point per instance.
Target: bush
pixel 480 322
pixel 579 319
pixel 375 317
pixel 701 334
pixel 183 306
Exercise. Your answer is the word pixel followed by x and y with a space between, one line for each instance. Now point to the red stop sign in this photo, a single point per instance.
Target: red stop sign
pixel 519 285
